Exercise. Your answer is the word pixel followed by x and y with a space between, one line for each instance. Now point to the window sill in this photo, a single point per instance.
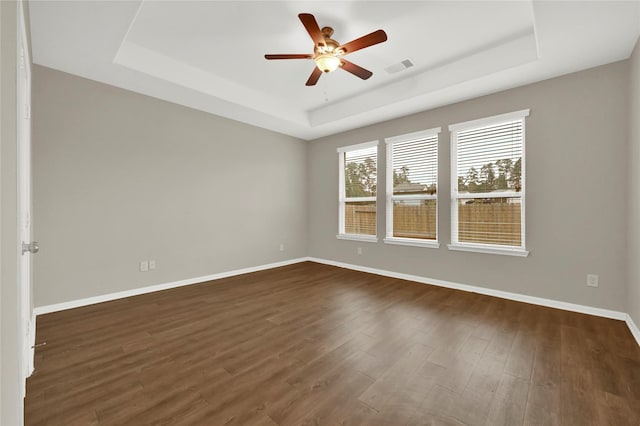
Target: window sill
pixel 356 237
pixel 490 250
pixel 412 242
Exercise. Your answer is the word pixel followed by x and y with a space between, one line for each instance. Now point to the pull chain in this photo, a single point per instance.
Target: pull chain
pixel 325 84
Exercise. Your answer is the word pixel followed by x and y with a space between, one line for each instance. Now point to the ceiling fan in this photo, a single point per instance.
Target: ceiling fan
pixel 328 53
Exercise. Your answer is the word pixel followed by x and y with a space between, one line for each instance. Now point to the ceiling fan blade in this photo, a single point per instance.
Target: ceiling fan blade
pixel 288 56
pixel 310 23
pixel 313 78
pixel 354 69
pixel 365 41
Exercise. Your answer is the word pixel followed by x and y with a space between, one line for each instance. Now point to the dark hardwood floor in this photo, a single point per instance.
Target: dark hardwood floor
pixel 310 344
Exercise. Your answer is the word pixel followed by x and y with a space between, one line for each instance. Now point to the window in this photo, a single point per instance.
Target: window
pixel 357 192
pixel 412 180
pixel 488 184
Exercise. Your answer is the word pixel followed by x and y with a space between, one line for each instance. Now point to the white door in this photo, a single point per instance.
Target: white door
pixel 27 247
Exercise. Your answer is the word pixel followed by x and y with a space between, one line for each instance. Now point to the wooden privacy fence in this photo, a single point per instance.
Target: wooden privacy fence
pixel 478 222
pixel 494 223
pixel 415 221
pixel 360 219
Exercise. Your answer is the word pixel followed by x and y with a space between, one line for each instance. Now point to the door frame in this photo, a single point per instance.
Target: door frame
pixel 26 315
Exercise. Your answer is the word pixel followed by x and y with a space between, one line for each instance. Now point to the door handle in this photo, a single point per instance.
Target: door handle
pixel 32 247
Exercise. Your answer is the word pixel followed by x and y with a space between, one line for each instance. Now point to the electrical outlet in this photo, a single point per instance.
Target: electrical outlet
pixel 359 250
pixel 592 280
pixel 144 266
pixel 281 247
pixel 152 264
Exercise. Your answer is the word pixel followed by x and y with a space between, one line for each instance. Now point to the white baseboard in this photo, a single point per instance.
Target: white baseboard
pixel 606 313
pixel 28 353
pixel 40 310
pixel 633 328
pixel 482 290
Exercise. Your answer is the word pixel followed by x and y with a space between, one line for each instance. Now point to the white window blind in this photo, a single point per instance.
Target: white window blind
pixel 412 179
pixel 488 181
pixel 358 189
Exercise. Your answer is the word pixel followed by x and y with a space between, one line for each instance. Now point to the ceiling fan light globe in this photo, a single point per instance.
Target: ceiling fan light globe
pixel 327 62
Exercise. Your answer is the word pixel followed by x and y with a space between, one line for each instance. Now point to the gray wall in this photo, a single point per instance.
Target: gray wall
pixel 10 343
pixel 576 193
pixel 633 297
pixel 119 177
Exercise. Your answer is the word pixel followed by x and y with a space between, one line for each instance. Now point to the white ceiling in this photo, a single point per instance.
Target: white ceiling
pixel 209 55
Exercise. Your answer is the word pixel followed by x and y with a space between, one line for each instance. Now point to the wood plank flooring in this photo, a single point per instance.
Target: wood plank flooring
pixel 311 344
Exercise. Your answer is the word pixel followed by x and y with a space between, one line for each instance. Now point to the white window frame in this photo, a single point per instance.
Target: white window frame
pixel 390 197
pixel 343 199
pixel 478 247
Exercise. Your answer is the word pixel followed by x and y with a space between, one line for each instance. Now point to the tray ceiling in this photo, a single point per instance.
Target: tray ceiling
pixel 208 55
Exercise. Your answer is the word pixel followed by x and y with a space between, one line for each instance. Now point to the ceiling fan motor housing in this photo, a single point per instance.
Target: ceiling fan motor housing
pixel 326 54
pixel 330 46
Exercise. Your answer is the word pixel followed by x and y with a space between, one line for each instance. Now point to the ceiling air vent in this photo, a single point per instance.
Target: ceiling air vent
pixel 400 66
